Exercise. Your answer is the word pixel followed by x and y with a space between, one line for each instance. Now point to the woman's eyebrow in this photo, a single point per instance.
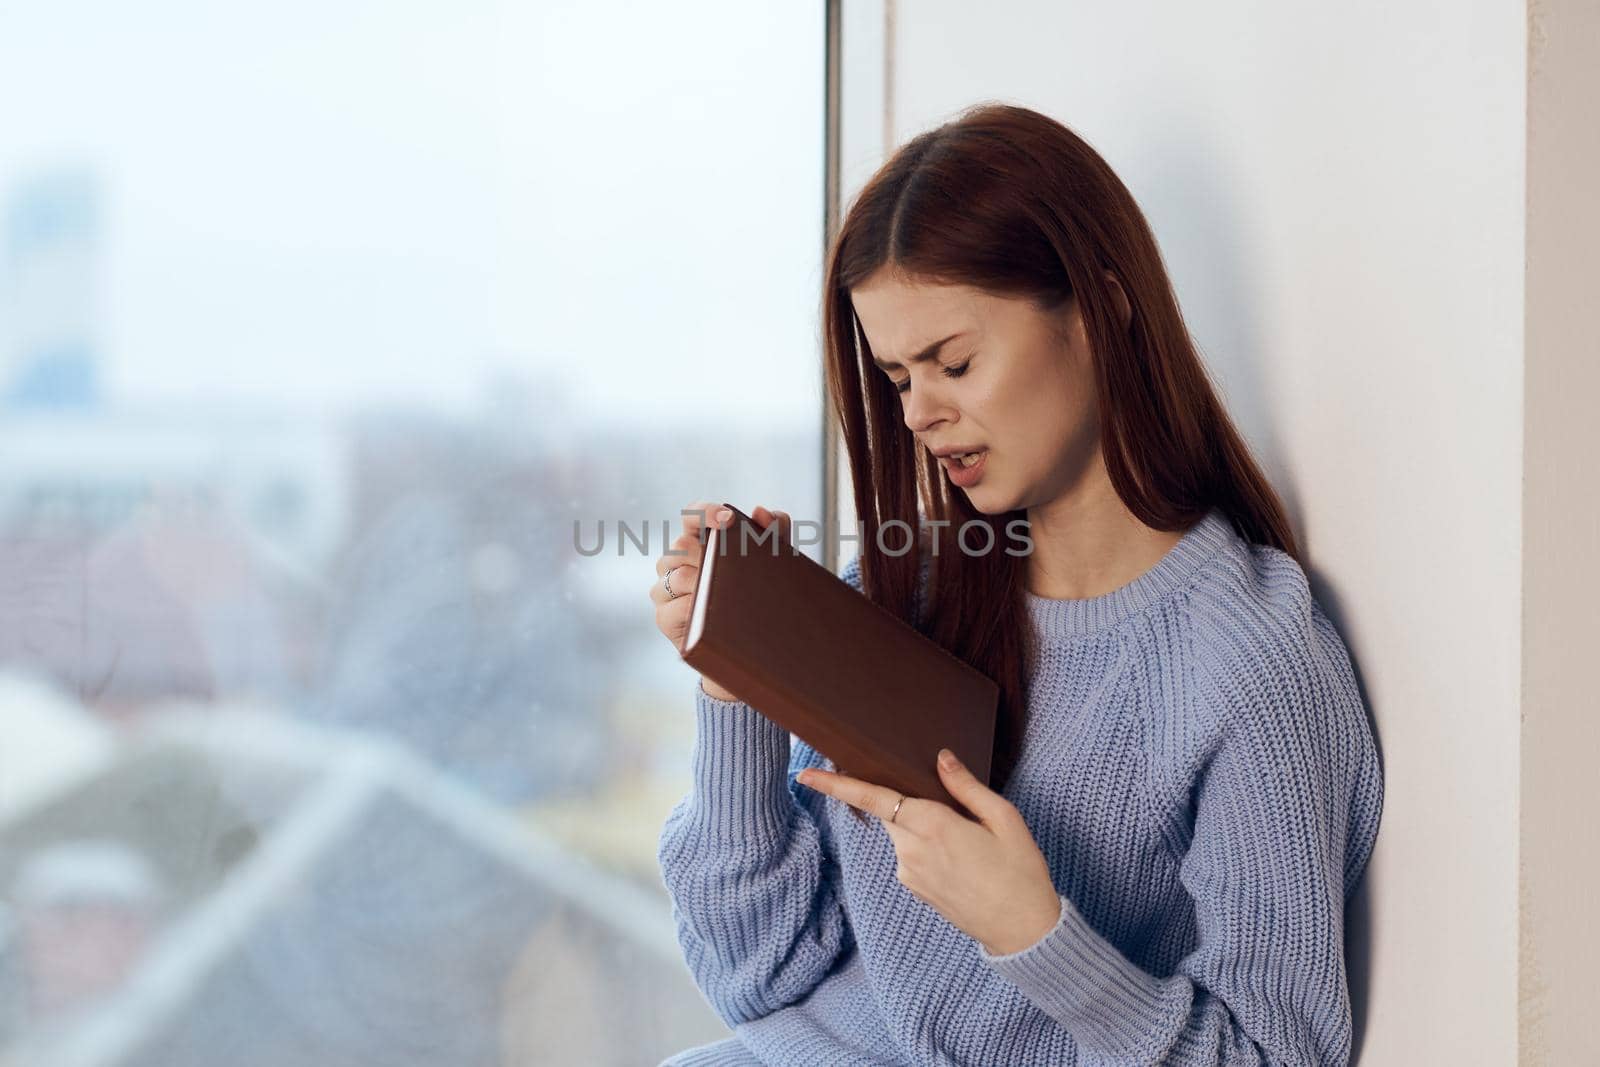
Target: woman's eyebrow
pixel 921 357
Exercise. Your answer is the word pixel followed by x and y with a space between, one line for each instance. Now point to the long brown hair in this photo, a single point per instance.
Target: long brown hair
pixel 1010 201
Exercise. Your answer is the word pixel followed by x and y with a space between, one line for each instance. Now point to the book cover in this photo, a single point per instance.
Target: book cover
pixel 844 674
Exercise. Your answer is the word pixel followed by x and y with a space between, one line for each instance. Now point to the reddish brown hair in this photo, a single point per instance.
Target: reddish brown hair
pixel 1009 201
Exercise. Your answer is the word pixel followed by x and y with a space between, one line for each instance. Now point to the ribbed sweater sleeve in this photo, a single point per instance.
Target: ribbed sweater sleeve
pixel 1273 798
pixel 755 895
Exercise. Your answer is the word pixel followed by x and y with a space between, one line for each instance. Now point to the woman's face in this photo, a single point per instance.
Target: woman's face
pixel 1024 395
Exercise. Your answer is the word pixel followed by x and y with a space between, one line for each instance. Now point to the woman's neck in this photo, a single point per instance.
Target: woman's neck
pixel 1089 547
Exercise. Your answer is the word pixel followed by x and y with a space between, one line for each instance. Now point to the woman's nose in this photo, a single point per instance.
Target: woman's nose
pixel 923 410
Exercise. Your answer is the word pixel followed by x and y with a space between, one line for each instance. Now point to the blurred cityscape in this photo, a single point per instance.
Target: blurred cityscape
pixel 319 741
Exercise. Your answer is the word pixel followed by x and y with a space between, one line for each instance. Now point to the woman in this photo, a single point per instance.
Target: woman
pixel 1185 788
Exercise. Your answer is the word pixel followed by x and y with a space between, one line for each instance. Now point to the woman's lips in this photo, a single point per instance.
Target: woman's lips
pixel 966 477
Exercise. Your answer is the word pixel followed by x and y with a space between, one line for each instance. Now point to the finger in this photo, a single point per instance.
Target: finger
pixel 784 524
pixel 873 799
pixel 684 552
pixel 992 810
pixel 684 580
pixel 701 514
pixel 764 518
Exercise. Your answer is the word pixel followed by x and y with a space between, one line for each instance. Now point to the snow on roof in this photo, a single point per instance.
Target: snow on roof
pixel 48 742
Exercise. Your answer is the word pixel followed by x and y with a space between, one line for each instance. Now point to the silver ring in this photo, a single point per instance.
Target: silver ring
pixel 897 804
pixel 666 583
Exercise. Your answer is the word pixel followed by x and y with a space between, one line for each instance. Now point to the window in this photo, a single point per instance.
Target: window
pixel 327 333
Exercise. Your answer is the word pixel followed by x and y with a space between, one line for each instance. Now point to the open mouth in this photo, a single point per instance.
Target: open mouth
pixel 967 460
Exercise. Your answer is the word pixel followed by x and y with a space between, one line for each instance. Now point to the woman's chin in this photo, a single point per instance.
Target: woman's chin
pixel 985 501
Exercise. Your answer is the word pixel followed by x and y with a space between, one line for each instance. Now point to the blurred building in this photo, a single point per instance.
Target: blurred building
pixel 148 558
pixel 266 892
pixel 450 624
pixel 50 250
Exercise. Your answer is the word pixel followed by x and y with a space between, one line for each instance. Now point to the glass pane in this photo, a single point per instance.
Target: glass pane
pixel 329 334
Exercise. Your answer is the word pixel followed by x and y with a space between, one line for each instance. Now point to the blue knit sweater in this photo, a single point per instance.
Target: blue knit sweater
pixel 1199 772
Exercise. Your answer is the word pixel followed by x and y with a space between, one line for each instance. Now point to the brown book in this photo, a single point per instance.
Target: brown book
pixel 819 658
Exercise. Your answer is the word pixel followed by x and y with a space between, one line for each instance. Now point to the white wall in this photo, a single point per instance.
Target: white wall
pixel 1340 196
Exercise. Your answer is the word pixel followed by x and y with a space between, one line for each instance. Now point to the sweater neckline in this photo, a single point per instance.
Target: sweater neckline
pixel 1073 617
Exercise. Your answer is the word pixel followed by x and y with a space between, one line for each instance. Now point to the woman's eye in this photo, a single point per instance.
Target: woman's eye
pixel 949 372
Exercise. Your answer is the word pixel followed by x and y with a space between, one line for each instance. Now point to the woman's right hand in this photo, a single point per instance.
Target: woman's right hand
pixel 683 559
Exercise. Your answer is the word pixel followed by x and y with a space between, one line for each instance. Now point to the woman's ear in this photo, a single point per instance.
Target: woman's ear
pixel 1124 309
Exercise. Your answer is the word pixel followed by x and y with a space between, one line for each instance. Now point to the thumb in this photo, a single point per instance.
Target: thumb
pixel 990 807
pixel 767 516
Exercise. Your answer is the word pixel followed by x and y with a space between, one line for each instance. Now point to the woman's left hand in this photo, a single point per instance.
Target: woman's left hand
pixel 988 878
